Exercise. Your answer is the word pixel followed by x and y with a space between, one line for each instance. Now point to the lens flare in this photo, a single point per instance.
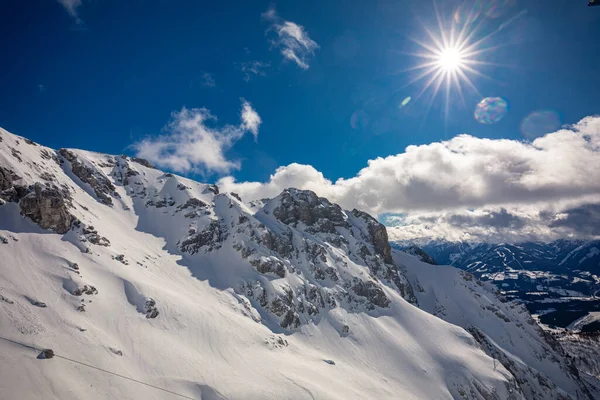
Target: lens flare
pixel 539 123
pixel 491 110
pixel 405 102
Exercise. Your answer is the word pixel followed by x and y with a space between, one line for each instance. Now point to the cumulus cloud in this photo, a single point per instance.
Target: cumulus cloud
pixel 506 181
pixel 251 69
pixel 250 119
pixel 292 39
pixel 539 222
pixel 191 145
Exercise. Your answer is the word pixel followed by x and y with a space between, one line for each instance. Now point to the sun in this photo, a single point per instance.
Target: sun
pixel 450 59
pixel 451 56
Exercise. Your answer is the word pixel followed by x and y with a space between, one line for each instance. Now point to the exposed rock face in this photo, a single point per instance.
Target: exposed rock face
pixel 212 237
pixel 306 207
pixel 150 308
pixel 266 265
pixel 143 162
pixel 9 191
pixel 417 251
pixel 372 292
pixel 379 236
pixel 6 179
pixel 48 207
pixel 89 290
pixel 100 184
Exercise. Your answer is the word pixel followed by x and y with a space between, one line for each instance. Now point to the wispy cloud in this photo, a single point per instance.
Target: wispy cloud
pixel 71 6
pixel 508 184
pixel 191 145
pixel 292 39
pixel 253 68
pixel 208 80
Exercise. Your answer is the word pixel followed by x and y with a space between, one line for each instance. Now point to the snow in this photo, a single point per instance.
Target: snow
pixel 210 340
pixel 466 302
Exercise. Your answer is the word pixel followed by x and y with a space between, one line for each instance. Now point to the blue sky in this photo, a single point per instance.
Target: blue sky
pixel 106 75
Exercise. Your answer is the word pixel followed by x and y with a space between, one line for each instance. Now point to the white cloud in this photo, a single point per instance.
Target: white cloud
pixel 190 145
pixel 292 39
pixel 253 68
pixel 208 80
pixel 71 6
pixel 250 119
pixel 463 172
pixel 549 221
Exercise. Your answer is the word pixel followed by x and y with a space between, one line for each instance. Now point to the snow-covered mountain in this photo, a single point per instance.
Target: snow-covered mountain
pixel 559 281
pixel 194 293
pixel 559 256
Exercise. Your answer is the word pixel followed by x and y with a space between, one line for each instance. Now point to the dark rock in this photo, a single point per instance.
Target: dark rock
pixel 305 206
pixel 121 259
pixel 266 265
pixel 150 308
pixel 330 362
pixel 281 244
pixel 211 188
pixel 372 292
pixel 48 208
pixel 192 203
pixel 7 177
pixel 99 183
pixel 116 351
pixel 6 300
pixel 16 154
pixel 237 196
pixel 47 353
pixel 38 304
pixel 89 290
pixel 417 251
pixel 212 237
pixel 81 308
pixel 143 162
pixel 378 236
pixel 93 237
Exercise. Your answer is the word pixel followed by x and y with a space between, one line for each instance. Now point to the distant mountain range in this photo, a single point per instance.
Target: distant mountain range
pixel 558 281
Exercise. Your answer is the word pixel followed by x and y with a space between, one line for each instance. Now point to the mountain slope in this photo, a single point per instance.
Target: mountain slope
pixel 117 265
pixel 504 329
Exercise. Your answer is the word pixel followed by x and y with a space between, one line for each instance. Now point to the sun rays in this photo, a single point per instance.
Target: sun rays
pixel 452 55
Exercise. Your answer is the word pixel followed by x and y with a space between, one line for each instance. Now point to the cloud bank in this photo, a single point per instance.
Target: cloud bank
pixel 292 39
pixel 190 145
pixel 523 185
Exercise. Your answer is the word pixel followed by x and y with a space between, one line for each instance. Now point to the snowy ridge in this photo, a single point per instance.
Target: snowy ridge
pixel 113 263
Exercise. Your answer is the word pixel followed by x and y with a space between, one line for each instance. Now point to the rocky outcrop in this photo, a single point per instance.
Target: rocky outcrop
pixel 417 251
pixel 211 237
pixel 269 265
pixel 150 308
pixel 9 191
pixel 86 289
pixel 143 162
pixel 48 207
pixel 305 206
pixel 378 236
pixel 99 183
pixel 372 292
pixel 6 178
